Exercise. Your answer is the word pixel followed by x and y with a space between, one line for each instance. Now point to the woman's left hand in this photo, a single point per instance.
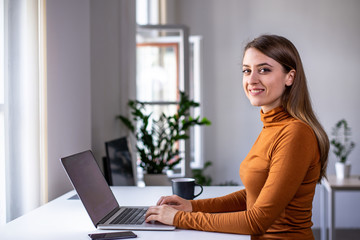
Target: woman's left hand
pixel 164 214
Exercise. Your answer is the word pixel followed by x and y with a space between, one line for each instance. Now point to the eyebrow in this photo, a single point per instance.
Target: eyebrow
pixel 259 65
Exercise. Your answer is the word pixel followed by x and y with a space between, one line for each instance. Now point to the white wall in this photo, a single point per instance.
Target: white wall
pixel 69 99
pixel 91 76
pixel 327 35
pixel 113 29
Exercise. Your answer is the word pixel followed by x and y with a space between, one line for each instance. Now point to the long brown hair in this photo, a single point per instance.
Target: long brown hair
pixel 296 98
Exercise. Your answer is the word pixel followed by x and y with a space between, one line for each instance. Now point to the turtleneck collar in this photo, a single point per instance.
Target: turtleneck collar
pixel 274 116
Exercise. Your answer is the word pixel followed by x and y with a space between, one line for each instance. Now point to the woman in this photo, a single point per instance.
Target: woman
pixel 281 170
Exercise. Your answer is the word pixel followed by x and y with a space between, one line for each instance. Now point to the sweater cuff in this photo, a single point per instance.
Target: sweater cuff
pixel 194 205
pixel 176 220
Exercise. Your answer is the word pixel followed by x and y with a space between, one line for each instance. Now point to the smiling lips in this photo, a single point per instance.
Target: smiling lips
pixel 255 91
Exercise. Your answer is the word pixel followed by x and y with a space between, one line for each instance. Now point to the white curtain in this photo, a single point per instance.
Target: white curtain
pixel 2 118
pixel 25 123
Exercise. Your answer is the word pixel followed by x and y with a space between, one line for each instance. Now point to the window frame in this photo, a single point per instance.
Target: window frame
pixel 184 79
pixel 196 144
pixel 158 42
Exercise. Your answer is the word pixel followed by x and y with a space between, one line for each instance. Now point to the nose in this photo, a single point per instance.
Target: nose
pixel 253 78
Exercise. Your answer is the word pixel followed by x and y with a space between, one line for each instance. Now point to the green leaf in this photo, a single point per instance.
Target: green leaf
pixel 127 123
pixel 205 121
pixel 157 138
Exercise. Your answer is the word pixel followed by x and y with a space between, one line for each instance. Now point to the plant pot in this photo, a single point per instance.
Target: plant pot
pixel 342 170
pixel 156 179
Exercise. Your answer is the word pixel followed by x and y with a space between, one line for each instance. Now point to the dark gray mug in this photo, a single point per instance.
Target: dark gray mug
pixel 185 188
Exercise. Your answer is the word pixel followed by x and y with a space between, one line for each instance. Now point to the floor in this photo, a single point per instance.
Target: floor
pixel 341 234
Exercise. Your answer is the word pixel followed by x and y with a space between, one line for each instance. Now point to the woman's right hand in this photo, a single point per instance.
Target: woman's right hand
pixel 176 202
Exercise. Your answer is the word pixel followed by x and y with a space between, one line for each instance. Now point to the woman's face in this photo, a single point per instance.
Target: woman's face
pixel 264 79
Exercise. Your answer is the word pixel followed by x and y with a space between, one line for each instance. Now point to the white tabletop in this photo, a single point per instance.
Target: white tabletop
pixel 67 219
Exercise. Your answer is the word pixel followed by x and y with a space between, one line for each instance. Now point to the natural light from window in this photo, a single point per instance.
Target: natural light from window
pixel 22 129
pixel 2 120
pixel 161 73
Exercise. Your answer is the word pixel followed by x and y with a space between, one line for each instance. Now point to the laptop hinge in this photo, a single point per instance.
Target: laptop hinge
pixel 108 216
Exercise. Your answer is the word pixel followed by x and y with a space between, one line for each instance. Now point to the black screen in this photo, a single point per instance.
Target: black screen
pixel 91 186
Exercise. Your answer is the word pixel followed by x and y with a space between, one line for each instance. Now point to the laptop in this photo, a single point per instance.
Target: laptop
pixel 98 199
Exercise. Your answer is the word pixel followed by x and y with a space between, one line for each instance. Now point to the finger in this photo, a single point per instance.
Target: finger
pixel 151 218
pixel 159 202
pixel 165 200
pixel 170 200
pixel 153 214
pixel 151 211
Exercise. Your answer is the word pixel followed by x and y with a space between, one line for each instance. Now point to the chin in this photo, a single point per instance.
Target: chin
pixel 256 104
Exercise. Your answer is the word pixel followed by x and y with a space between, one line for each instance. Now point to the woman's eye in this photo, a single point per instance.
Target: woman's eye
pixel 264 70
pixel 246 71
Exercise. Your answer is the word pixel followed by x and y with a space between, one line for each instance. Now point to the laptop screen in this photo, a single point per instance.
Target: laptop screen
pixel 90 185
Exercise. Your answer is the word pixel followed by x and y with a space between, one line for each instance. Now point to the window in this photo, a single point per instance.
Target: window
pixel 161 72
pixel 148 11
pixel 168 60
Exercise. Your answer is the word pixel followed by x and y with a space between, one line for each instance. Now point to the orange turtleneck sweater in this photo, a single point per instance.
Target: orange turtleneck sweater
pixel 279 174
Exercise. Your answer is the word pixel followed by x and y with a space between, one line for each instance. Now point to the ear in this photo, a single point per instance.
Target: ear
pixel 290 76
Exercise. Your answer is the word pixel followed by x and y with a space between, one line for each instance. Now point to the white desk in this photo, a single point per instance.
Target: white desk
pixel 67 219
pixel 329 187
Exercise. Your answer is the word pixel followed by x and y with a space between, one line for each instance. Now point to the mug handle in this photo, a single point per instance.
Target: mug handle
pixel 200 190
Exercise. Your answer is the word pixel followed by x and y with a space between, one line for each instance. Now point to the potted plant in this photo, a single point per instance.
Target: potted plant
pixel 157 139
pixel 343 146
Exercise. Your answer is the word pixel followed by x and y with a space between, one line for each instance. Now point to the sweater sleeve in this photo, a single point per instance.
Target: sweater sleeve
pixel 291 155
pixel 230 203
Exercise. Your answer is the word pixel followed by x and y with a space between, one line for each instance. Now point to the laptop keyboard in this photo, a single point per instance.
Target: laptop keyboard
pixel 130 216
